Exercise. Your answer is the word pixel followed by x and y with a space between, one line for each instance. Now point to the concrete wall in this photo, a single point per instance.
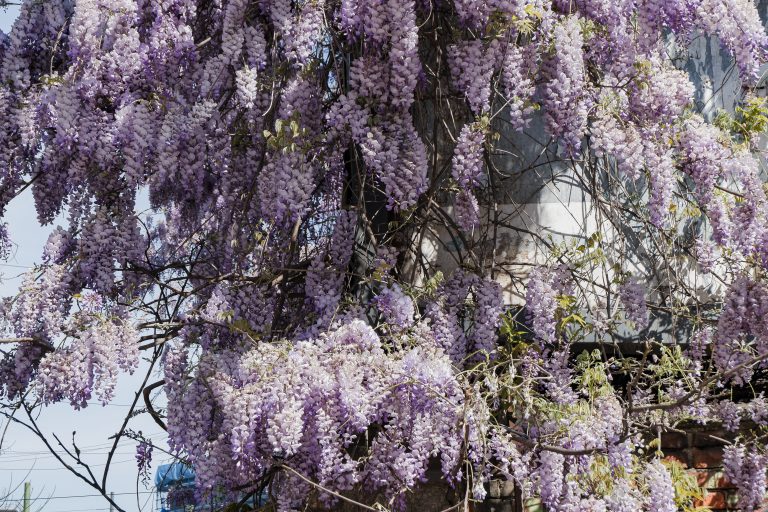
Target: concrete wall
pixel 544 203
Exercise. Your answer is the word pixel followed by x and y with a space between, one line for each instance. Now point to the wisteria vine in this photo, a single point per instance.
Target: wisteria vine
pixel 298 210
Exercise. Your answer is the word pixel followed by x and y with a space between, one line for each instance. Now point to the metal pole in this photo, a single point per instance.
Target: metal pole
pixel 27 496
pixel 112 499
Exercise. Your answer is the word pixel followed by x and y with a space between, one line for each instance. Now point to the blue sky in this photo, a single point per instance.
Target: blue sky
pixel 23 456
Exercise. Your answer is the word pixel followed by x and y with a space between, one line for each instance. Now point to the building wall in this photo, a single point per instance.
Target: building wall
pixel 541 196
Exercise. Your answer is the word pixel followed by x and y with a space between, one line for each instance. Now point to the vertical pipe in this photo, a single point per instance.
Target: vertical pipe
pixel 27 496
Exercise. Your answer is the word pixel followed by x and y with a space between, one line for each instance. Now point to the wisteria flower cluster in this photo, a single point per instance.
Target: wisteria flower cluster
pixel 318 218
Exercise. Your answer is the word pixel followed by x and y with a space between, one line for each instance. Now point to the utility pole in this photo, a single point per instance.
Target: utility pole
pixel 27 496
pixel 111 501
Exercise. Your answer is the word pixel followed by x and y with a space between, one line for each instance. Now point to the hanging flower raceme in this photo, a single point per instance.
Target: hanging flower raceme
pixel 742 332
pixel 746 468
pixel 632 295
pixel 564 95
pixel 330 391
pixel 90 364
pixel 299 161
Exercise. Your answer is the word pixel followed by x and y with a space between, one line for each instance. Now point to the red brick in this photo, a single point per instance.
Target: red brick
pixel 714 499
pixel 676 457
pixel 674 441
pixel 706 458
pixel 712 479
pixel 704 439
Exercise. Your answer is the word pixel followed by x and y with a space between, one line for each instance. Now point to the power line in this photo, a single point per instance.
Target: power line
pixel 65 469
pixel 11 456
pixel 101 509
pixel 151 435
pixel 45 498
pixel 32 453
pixel 3 460
pixel 96 495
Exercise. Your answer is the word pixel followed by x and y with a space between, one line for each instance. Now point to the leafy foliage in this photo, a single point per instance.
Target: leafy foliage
pixel 334 274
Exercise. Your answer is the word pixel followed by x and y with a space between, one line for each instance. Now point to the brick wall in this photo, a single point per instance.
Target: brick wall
pixel 698 449
pixel 701 451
